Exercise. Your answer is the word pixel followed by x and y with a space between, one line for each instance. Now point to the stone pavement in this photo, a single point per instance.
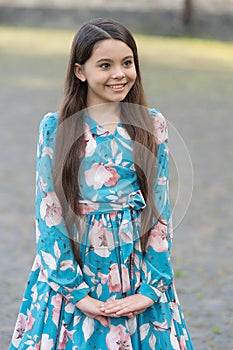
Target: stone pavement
pixel 199 103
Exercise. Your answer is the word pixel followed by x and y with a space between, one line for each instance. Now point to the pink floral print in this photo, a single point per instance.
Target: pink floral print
pixel 50 210
pixel 158 238
pixel 99 175
pixel 118 339
pixel 113 265
pixel 160 128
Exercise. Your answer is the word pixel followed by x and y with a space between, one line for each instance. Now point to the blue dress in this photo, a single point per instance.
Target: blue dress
pixel 113 265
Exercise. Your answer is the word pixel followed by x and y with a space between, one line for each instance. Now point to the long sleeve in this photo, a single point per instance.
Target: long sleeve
pixel 157 273
pixel 58 265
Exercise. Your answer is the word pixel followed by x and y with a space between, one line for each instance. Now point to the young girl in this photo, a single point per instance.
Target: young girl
pixel 102 276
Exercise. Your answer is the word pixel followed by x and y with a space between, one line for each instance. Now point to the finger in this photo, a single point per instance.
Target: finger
pixel 139 311
pixel 103 320
pixel 113 315
pixel 110 303
pixel 111 308
pixel 88 315
pixel 130 309
pixel 129 314
pixel 116 309
pixel 123 306
pixel 110 313
pixel 124 311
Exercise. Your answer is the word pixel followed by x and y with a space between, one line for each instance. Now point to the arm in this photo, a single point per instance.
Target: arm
pixel 57 263
pixel 157 273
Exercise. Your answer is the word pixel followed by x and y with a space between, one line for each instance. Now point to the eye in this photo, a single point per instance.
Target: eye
pixel 105 65
pixel 128 63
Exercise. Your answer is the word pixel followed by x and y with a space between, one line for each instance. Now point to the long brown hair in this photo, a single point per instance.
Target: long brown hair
pixel 70 140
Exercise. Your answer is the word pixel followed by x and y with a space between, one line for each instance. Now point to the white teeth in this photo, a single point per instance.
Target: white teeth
pixel 117 86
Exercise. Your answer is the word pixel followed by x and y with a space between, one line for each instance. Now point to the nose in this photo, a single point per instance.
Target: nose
pixel 118 73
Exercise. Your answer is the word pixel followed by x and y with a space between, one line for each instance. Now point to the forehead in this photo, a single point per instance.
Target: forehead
pixel 111 48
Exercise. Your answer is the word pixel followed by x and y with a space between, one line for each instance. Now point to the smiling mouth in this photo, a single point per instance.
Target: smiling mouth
pixel 117 87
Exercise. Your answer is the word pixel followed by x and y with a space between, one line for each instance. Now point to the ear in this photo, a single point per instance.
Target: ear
pixel 79 72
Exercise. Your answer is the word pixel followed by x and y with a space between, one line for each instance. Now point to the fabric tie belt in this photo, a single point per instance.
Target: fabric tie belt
pixel 129 229
pixel 134 200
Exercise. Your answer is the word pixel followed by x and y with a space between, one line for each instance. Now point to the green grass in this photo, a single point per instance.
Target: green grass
pixel 179 273
pixel 165 51
pixel 33 58
pixel 34 41
pixel 186 52
pixel 217 330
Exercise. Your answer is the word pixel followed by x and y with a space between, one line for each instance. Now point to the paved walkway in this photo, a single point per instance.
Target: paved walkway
pixel 199 104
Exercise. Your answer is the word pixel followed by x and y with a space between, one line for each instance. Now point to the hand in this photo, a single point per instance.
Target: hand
pixel 129 306
pixel 91 308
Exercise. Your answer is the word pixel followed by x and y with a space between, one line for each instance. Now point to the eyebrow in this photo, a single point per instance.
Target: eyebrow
pixel 110 60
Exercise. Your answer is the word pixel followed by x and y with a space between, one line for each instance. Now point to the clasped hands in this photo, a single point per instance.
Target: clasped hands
pixel 128 306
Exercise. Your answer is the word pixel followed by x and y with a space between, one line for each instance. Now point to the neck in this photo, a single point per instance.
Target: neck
pixel 105 112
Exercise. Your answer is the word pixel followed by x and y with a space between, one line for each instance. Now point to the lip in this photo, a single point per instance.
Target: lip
pixel 117 87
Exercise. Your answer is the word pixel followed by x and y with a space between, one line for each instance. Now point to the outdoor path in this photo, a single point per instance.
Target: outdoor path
pixel 200 105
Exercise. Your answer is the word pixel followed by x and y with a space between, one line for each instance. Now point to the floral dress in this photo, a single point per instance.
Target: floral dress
pixel 113 265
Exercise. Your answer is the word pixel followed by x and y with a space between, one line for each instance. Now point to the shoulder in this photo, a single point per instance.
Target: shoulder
pixel 47 129
pixel 160 125
pixel 48 124
pixel 154 112
pixel 49 121
pixel 157 116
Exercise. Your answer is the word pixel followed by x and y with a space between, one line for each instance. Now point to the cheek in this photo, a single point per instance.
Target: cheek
pixel 101 78
pixel 95 77
pixel 133 75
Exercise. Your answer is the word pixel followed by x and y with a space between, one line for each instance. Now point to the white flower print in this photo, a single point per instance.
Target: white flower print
pixel 118 339
pixel 88 327
pixel 47 151
pixel 49 260
pixel 122 131
pixel 90 141
pixel 46 343
pixel 50 210
pixel 101 239
pixel 108 236
pixel 158 238
pixel 162 181
pixel 160 126
pixel 19 329
pixel 144 329
pixel 99 175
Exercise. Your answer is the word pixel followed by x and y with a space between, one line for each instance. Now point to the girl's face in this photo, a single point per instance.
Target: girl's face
pixel 110 72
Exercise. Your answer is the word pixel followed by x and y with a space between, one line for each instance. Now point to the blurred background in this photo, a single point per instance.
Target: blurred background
pixel 186 54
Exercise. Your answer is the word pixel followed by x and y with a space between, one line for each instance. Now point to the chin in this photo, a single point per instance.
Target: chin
pixel 119 98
